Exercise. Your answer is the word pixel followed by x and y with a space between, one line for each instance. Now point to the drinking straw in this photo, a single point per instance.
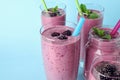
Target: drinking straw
pixel 115 29
pixel 78 7
pixel 44 5
pixel 78 28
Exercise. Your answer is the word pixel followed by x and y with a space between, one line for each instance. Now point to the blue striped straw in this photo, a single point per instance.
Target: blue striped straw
pixel 79 27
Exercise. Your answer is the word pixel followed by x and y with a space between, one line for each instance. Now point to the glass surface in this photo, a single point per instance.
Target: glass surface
pixel 60 54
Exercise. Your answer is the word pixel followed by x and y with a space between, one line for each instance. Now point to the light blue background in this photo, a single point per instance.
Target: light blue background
pixel 20 54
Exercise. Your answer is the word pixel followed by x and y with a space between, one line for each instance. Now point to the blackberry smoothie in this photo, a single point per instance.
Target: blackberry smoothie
pixel 89 23
pixel 49 17
pixel 61 53
pixel 103 44
pixel 105 70
pixel 56 12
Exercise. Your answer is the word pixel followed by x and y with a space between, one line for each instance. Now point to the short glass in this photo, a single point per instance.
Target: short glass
pixel 61 51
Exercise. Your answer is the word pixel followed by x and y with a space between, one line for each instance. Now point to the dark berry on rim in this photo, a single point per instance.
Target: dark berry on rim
pixel 67 32
pixel 62 37
pixel 55 34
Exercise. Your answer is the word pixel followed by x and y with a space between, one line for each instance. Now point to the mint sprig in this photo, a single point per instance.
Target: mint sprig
pixel 87 12
pixel 55 9
pixel 101 33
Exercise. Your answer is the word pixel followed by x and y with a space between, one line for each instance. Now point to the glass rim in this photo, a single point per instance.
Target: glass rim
pixel 54 2
pixel 56 25
pixel 95 4
pixel 55 22
pixel 100 39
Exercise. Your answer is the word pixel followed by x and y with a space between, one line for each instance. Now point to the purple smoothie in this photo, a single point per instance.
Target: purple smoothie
pixel 105 70
pixel 89 23
pixel 98 47
pixel 50 17
pixel 61 54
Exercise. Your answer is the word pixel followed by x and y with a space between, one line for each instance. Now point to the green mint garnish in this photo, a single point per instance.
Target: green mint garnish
pixel 101 33
pixel 55 9
pixel 87 12
pixel 108 36
pixel 93 16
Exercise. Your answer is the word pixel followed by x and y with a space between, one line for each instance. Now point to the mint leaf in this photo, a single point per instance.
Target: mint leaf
pixel 93 16
pixel 87 12
pixel 83 8
pixel 101 33
pixel 107 36
pixel 55 9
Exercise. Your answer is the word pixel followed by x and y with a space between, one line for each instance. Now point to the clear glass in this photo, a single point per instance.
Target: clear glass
pixel 89 23
pixel 105 67
pixel 97 47
pixel 61 57
pixel 51 4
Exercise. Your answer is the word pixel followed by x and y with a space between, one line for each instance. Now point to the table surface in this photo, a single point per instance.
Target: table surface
pixel 20 47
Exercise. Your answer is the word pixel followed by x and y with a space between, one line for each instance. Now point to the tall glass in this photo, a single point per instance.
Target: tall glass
pixel 89 23
pixel 61 51
pixel 105 67
pixel 51 17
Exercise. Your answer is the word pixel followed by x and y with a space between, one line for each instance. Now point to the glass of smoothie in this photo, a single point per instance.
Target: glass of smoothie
pixel 93 14
pixel 56 11
pixel 61 51
pixel 105 67
pixel 101 43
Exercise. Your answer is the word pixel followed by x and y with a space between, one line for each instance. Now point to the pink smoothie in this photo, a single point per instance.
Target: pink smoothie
pixel 45 19
pixel 98 47
pixel 61 57
pixel 89 23
pixel 95 73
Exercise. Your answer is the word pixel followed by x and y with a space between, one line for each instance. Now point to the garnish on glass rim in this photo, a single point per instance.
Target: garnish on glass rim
pixel 55 9
pixel 101 33
pixel 87 12
pixel 82 9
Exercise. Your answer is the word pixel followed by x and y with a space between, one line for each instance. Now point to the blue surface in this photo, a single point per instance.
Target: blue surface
pixel 20 54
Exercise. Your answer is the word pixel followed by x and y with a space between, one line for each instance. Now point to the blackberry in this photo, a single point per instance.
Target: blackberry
pixel 62 37
pixel 67 33
pixel 108 69
pixel 117 74
pixel 53 14
pixel 54 34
